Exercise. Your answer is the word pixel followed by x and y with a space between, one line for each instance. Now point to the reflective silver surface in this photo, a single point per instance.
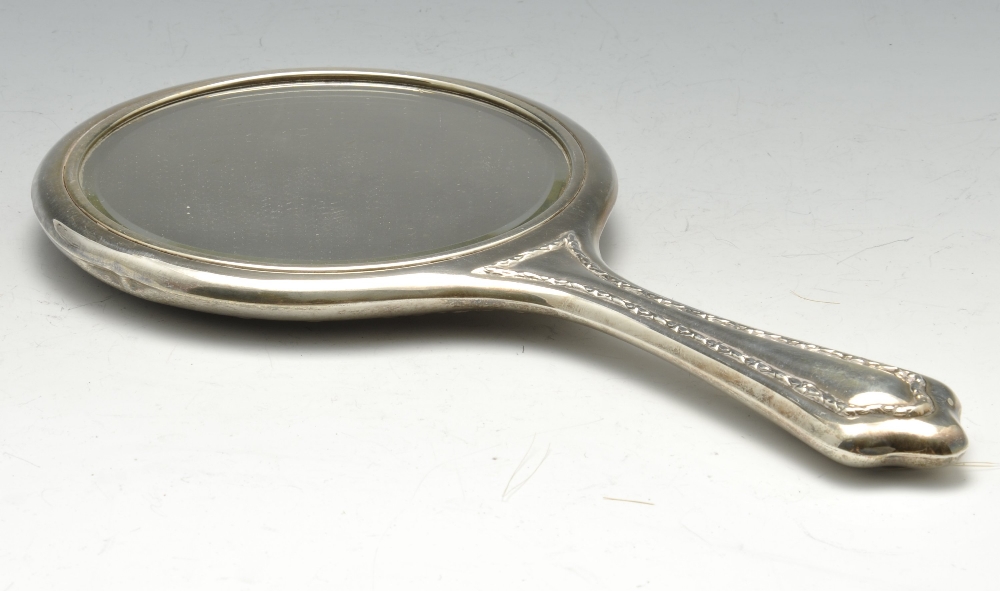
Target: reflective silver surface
pixel 324 174
pixel 854 410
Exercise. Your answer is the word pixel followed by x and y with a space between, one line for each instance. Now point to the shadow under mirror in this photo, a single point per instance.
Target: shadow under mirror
pixel 576 342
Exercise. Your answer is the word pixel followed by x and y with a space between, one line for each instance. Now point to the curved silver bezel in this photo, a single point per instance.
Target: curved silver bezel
pixel 107 123
pixel 423 283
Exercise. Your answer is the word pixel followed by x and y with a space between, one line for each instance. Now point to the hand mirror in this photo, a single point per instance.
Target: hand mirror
pixel 329 194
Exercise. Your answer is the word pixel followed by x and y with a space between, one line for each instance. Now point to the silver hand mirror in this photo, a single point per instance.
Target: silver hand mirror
pixel 330 194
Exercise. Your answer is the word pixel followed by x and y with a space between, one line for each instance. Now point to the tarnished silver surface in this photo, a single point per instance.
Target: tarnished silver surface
pixel 856 411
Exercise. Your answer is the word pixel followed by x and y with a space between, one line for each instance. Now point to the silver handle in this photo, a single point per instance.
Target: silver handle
pixel 856 411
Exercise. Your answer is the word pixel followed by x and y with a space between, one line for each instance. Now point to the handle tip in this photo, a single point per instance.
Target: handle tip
pixel 928 441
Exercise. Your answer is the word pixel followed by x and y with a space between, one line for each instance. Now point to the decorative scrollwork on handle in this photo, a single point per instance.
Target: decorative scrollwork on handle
pixel 915 383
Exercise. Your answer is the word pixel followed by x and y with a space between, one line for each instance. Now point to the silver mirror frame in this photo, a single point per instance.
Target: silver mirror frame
pixel 856 411
pixel 216 285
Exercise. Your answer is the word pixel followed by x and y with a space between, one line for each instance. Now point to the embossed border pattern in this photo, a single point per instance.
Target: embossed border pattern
pixel 916 384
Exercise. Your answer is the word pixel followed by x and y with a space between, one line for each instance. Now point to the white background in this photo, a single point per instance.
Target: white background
pixel 826 170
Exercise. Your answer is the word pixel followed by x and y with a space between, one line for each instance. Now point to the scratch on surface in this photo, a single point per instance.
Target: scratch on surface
pixel 943 175
pixel 511 487
pixel 10 455
pixel 406 505
pixel 729 242
pixel 107 544
pixel 812 300
pixel 874 247
pixel 694 533
pixel 628 501
pixel 39 113
pixel 100 301
pixel 807 254
pixel 975 464
pixel 606 21
pixel 838 546
pixel 575 425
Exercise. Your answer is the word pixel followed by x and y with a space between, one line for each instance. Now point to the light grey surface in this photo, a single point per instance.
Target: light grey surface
pixel 827 171
pixel 323 174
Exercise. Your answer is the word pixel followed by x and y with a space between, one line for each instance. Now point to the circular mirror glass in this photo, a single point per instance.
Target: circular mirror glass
pixel 323 174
